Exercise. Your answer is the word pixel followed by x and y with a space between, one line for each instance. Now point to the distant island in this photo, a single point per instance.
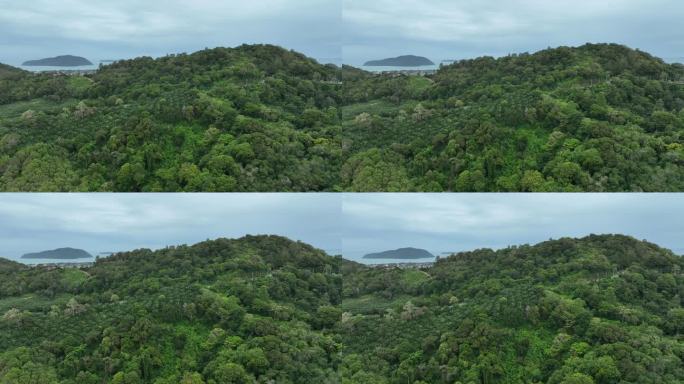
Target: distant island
pixel 59 61
pixel 59 254
pixel 401 61
pixel 401 254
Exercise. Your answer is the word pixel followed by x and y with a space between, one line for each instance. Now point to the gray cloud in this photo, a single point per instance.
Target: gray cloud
pixel 125 28
pixel 452 29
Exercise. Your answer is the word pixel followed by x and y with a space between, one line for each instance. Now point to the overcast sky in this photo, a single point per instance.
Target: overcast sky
pixel 122 222
pixel 358 30
pixel 461 222
pixel 348 224
pixel 104 29
pixel 456 29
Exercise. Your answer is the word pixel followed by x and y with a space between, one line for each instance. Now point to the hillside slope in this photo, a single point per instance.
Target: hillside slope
pixel 602 309
pixel 224 311
pixel 593 118
pixel 251 118
pixel 7 70
pixel 8 266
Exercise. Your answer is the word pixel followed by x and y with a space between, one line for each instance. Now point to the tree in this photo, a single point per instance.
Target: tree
pixel 577 378
pixel 15 316
pixel 327 316
pixel 192 378
pixel 675 321
pixel 73 307
pixel 229 373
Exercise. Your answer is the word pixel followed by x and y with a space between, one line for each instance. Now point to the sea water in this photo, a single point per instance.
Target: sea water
pixel 52 69
pixel 357 256
pixel 391 69
pixel 51 261
pixel 395 261
pixel 96 65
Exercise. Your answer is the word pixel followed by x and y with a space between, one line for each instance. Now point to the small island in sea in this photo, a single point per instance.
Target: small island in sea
pixel 59 61
pixel 401 61
pixel 59 254
pixel 401 254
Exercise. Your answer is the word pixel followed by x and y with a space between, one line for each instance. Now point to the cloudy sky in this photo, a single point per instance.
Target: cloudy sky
pixel 456 29
pixel 357 30
pixel 348 224
pixel 121 222
pixel 104 29
pixel 461 222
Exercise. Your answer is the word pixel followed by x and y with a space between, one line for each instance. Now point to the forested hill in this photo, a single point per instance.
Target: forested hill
pixel 261 118
pixel 6 70
pixel 599 117
pixel 256 309
pixel 251 118
pixel 10 266
pixel 602 309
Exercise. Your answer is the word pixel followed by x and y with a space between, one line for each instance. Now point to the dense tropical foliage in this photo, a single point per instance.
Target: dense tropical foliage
pixel 602 309
pixel 260 118
pixel 251 118
pixel 594 118
pixel 257 309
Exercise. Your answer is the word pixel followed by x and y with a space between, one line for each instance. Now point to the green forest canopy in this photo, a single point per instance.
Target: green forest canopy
pixel 594 118
pixel 601 309
pixel 251 118
pixel 599 117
